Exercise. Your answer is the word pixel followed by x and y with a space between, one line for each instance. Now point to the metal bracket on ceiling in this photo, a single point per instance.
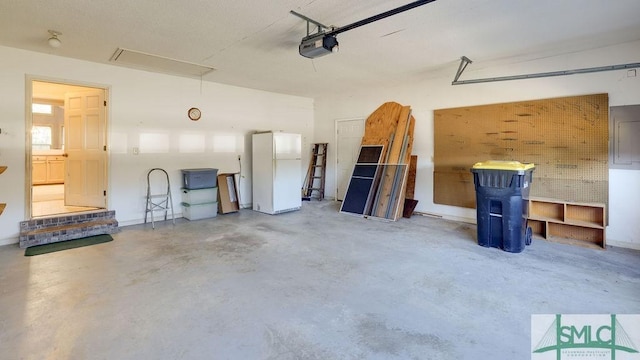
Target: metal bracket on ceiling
pixel 321 27
pixel 338 30
pixel 464 61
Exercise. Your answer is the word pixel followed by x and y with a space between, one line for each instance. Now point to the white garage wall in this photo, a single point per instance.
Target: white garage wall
pixel 428 94
pixel 147 111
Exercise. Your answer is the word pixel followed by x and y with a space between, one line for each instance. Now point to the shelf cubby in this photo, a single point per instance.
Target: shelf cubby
pixel 568 222
pixel 547 210
pixel 585 215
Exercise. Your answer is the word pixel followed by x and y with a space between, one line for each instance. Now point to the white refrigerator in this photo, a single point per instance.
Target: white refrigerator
pixel 277 172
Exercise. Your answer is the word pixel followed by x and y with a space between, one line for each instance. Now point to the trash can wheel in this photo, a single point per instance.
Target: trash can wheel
pixel 528 236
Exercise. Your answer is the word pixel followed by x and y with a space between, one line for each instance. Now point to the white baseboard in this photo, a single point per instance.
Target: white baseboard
pixel 624 244
pixel 9 241
pixel 447 217
pixel 130 222
pixel 141 220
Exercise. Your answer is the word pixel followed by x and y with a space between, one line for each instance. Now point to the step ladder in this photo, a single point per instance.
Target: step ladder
pixel 159 201
pixel 316 173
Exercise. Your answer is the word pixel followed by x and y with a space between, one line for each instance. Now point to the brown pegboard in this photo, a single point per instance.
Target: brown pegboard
pixel 566 138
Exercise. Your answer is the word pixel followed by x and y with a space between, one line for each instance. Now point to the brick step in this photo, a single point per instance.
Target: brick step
pixel 49 230
pixel 66 219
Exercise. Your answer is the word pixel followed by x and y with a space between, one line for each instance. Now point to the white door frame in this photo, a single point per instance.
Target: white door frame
pixel 29 124
pixel 335 162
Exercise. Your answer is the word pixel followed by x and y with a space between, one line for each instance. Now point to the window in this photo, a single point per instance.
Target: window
pixel 41 137
pixel 42 108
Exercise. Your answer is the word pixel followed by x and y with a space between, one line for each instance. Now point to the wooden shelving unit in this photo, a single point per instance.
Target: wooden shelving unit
pixel 569 222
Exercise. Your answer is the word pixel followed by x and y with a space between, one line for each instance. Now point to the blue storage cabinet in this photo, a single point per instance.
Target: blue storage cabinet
pixel 502 193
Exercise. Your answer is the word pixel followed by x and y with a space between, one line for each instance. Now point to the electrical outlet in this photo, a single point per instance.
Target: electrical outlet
pixel 136 151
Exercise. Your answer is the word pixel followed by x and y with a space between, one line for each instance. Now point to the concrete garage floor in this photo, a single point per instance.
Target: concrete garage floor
pixel 312 284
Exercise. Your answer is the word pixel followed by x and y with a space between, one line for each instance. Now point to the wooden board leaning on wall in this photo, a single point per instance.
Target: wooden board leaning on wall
pixel 566 138
pixel 2 206
pixel 390 129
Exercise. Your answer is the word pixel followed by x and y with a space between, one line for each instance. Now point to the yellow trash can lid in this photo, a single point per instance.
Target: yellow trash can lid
pixel 503 165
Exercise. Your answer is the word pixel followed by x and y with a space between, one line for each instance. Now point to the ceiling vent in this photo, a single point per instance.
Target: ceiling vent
pixel 155 63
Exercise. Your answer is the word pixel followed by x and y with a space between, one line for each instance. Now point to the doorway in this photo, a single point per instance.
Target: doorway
pixel 66 145
pixel 349 134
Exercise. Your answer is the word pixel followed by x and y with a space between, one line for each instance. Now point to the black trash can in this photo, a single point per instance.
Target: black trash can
pixel 502 193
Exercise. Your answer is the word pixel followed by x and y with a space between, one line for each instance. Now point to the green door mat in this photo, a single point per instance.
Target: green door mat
pixel 69 244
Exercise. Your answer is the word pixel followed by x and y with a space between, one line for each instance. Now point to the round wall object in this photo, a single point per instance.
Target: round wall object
pixel 194 114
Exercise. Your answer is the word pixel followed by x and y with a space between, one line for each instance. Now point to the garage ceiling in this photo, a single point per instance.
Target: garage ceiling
pixel 255 43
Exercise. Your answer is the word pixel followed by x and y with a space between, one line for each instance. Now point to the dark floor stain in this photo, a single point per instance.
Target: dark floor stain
pixel 233 243
pixel 293 345
pixel 270 227
pixel 379 338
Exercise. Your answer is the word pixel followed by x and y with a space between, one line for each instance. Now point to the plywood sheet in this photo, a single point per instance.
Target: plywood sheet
pixel 391 128
pixel 380 126
pixel 391 208
pixel 229 201
pixel 406 159
pixel 566 138
pixel 387 197
pixel 411 179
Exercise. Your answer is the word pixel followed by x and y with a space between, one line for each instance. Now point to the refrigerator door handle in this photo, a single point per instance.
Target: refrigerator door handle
pixel 274 157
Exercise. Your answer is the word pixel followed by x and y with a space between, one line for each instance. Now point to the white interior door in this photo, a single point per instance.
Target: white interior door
pixel 350 134
pixel 85 147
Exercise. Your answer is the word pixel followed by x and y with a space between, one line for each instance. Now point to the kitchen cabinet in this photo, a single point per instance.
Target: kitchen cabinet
pixel 47 169
pixel 55 169
pixel 39 170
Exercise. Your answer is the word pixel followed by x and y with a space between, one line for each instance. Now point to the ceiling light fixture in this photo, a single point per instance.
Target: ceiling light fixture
pixel 325 42
pixel 54 42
